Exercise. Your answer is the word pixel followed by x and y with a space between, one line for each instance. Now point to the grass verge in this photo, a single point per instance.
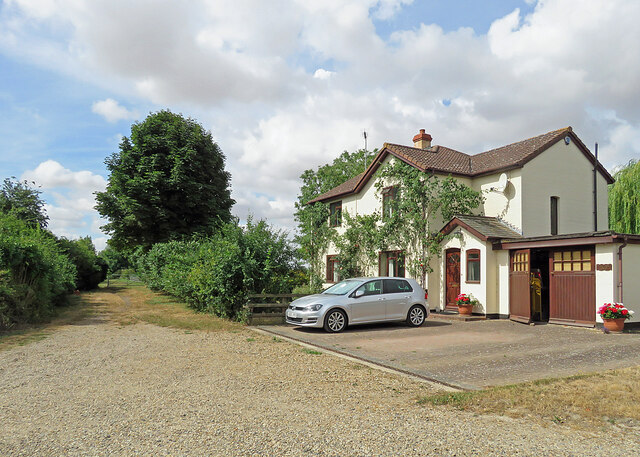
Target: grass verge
pixel 76 311
pixel 128 302
pixel 583 401
pixel 124 302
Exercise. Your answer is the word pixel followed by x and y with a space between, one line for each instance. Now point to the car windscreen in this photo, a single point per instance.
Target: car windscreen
pixel 342 288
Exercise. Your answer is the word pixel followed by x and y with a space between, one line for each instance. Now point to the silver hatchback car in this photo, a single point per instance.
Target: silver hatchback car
pixel 361 301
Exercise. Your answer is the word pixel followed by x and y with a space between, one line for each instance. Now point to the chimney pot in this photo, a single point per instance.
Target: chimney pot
pixel 422 140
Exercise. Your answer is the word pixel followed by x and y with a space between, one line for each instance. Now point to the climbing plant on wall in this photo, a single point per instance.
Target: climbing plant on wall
pixel 414 211
pixel 359 245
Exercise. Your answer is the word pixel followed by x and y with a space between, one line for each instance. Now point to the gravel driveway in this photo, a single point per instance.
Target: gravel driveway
pixel 98 389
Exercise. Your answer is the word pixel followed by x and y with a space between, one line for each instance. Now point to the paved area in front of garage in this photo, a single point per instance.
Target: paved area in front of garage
pixel 480 353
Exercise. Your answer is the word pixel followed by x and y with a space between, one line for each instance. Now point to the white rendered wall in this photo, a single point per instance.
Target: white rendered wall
pixel 502 286
pixel 630 279
pixel 561 171
pixel 434 282
pixel 606 281
pixel 506 205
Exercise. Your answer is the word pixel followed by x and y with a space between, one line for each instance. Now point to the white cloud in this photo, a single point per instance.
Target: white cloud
pixel 256 74
pixel 323 74
pixel 51 174
pixel 70 198
pixel 112 111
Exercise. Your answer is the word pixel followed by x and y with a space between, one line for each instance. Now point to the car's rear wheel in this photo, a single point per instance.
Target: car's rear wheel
pixel 335 321
pixel 416 316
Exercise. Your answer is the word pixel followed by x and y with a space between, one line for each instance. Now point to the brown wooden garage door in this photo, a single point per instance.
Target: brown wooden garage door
pixel 572 286
pixel 519 289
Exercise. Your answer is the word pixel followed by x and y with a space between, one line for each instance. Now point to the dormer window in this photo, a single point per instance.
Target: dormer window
pixel 335 214
pixel 389 197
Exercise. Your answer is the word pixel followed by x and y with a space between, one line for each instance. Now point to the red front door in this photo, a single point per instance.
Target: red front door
pixel 452 277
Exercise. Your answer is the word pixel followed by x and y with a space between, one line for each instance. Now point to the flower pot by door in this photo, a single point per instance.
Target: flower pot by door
pixel 465 309
pixel 614 325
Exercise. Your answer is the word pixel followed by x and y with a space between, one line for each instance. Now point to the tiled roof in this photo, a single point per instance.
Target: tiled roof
pixel 440 159
pixel 514 154
pixel 344 188
pixel 489 227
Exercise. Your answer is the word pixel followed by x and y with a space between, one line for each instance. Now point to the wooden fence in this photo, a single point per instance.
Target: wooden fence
pixel 269 309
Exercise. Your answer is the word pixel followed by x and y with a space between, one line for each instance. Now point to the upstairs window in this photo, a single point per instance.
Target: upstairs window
pixel 554 215
pixel 389 202
pixel 335 214
pixel 473 265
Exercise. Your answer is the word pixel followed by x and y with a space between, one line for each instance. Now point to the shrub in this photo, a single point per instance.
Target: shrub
pixel 91 270
pixel 216 274
pixel 35 275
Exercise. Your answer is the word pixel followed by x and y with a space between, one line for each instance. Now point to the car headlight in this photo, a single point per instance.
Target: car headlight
pixel 312 307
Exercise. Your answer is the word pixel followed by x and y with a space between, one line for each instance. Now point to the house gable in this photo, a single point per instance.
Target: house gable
pixel 557 191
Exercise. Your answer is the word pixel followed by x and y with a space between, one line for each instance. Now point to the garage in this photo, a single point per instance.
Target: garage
pixel 556 285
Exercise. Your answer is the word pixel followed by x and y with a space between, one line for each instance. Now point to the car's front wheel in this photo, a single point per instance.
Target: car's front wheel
pixel 335 321
pixel 416 316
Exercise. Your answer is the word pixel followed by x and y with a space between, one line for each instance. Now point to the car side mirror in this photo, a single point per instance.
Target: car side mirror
pixel 358 293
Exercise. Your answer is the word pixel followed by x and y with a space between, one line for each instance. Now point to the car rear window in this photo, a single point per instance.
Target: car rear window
pixel 395 286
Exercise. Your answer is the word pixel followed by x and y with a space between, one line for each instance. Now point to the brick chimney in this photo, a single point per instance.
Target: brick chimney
pixel 422 140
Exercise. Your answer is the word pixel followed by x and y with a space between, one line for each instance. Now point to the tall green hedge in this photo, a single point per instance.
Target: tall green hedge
pixel 91 269
pixel 35 275
pixel 217 273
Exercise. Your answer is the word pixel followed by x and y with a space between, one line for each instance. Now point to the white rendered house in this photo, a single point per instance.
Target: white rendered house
pixel 544 221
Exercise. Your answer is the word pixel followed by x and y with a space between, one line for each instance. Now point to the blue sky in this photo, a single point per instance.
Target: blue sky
pixel 450 15
pixel 288 85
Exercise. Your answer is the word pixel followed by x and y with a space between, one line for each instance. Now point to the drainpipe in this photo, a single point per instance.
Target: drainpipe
pixel 595 192
pixel 624 243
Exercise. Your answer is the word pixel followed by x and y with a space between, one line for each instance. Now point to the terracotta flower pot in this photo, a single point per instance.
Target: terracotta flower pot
pixel 614 325
pixel 465 309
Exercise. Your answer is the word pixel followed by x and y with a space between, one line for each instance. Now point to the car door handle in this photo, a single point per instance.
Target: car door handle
pixel 381 298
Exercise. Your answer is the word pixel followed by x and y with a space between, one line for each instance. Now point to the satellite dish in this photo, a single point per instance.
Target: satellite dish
pixel 503 181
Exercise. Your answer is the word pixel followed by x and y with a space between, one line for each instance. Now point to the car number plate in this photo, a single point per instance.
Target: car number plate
pixel 292 314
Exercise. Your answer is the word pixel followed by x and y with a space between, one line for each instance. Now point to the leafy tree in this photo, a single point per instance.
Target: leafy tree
pixel 422 200
pixel 115 260
pixel 167 182
pixel 21 200
pixel 314 232
pixel 624 200
pixel 91 270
